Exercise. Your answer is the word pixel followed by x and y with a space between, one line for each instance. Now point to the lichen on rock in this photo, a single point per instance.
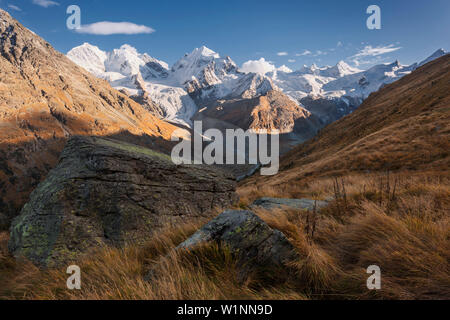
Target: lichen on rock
pixel 110 193
pixel 249 238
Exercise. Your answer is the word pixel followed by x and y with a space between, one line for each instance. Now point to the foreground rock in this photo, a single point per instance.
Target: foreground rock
pixel 105 192
pixel 278 203
pixel 246 235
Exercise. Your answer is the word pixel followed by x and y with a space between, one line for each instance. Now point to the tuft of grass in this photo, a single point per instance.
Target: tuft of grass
pixel 398 221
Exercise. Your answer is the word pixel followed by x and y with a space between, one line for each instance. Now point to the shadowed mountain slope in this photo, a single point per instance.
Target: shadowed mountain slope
pixel 44 99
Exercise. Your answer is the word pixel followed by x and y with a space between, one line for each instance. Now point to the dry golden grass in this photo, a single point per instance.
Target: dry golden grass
pixel 406 233
pixel 400 222
pixel 116 274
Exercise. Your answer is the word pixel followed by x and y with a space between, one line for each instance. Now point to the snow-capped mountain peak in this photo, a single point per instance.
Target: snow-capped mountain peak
pixel 346 69
pixel 123 62
pixel 192 65
pixel 89 57
pixel 437 54
pixel 341 69
pixel 284 69
pixel 203 76
pixel 205 52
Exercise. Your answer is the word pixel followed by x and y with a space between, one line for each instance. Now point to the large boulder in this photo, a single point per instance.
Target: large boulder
pixel 106 192
pixel 256 245
pixel 278 203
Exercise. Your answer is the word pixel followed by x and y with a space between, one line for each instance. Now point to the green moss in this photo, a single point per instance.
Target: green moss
pixel 133 148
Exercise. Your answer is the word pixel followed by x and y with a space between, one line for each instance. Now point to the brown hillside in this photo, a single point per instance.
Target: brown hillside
pixel 271 111
pixel 405 126
pixel 44 99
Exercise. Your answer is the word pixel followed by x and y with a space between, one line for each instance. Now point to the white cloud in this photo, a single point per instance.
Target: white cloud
pixel 291 60
pixel 108 28
pixel 260 66
pixel 284 68
pixel 371 55
pixel 370 51
pixel 305 53
pixel 320 53
pixel 13 7
pixel 45 3
pixel 370 61
pixel 281 54
pixel 339 44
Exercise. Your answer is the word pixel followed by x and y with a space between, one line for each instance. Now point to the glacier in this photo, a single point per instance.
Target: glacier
pixel 202 77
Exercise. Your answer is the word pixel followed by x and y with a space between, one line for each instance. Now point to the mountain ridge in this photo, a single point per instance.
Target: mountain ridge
pixel 203 77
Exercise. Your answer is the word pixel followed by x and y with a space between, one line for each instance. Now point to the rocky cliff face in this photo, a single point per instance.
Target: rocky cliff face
pixel 106 192
pixel 44 99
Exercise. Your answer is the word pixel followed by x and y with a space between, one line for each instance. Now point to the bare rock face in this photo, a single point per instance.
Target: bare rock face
pixel 250 238
pixel 106 192
pixel 272 111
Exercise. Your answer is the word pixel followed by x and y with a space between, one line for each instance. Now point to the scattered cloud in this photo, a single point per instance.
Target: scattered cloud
pixel 369 51
pixel 45 3
pixel 108 28
pixel 370 61
pixel 285 69
pixel 291 60
pixel 281 54
pixel 13 7
pixel 371 55
pixel 320 53
pixel 260 66
pixel 305 53
pixel 339 44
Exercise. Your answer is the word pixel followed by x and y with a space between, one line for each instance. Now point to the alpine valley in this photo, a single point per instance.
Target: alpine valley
pixel 203 85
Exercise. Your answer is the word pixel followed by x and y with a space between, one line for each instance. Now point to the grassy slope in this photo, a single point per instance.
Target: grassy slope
pixel 404 126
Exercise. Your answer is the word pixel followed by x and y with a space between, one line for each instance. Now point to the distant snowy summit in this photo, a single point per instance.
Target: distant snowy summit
pixel 203 77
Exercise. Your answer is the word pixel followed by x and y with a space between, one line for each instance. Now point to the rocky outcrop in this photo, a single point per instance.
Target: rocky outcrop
pixel 248 237
pixel 271 111
pixel 278 203
pixel 106 192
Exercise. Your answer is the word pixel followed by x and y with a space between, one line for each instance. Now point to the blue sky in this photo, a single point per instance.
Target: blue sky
pixel 292 33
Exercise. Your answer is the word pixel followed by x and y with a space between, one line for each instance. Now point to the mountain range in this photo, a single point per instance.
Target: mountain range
pixel 204 80
pixel 403 126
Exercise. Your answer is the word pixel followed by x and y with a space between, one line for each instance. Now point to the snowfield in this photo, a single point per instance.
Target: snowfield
pixel 204 76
